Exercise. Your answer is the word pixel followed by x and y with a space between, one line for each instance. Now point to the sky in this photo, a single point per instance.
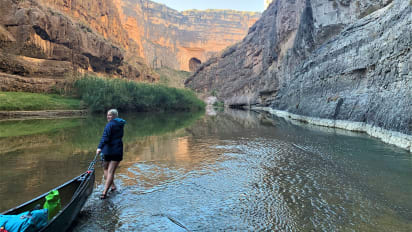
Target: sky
pixel 242 5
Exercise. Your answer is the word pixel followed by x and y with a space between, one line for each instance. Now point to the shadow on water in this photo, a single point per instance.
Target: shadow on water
pixel 227 171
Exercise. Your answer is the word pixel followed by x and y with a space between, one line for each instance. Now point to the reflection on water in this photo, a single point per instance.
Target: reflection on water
pixel 38 155
pixel 230 171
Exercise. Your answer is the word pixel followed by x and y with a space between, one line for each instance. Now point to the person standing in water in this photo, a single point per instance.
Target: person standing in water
pixel 111 149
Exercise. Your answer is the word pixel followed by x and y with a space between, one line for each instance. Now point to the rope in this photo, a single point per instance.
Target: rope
pixel 91 166
pixel 82 178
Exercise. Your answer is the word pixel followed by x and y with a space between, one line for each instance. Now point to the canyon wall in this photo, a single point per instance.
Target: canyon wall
pixel 41 47
pixel 44 42
pixel 181 40
pixel 339 60
pixel 160 35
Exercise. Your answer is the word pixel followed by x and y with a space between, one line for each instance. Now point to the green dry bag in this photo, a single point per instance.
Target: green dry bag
pixel 52 203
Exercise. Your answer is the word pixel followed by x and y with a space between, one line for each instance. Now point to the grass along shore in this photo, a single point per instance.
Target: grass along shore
pixel 100 94
pixel 19 101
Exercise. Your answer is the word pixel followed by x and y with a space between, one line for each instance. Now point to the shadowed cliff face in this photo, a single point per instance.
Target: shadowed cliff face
pixel 42 45
pixel 347 60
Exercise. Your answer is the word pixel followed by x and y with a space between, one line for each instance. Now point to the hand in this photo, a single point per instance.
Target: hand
pixel 98 151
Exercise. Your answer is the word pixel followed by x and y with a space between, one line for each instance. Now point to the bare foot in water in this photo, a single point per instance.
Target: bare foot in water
pixel 113 188
pixel 103 196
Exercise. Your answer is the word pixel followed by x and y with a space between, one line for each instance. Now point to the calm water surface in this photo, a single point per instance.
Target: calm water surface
pixel 232 171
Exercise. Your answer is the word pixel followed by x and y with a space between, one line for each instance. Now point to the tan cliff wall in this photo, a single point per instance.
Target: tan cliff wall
pixel 160 35
pixel 99 15
pixel 41 47
pixel 166 37
pixel 43 42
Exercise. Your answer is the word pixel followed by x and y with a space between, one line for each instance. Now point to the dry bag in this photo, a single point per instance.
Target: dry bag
pixel 53 203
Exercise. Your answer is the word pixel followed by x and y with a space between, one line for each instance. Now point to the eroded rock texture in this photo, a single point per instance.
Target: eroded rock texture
pixel 42 45
pixel 348 60
pixel 166 37
pixel 156 33
pixel 52 39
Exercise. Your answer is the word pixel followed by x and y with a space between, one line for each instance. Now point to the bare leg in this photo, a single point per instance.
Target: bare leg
pixel 105 171
pixel 110 175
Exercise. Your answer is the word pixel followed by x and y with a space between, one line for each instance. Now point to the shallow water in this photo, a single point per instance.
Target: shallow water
pixel 233 171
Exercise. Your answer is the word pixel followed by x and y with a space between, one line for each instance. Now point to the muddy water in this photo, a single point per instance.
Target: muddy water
pixel 233 171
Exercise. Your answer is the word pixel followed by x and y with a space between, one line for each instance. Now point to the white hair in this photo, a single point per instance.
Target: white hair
pixel 113 112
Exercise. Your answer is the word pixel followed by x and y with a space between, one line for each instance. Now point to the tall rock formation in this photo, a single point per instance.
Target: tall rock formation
pixel 181 40
pixel 43 42
pixel 340 59
pixel 41 47
pixel 160 35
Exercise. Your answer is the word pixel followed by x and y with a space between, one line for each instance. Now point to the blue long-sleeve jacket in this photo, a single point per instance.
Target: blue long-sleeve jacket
pixel 111 142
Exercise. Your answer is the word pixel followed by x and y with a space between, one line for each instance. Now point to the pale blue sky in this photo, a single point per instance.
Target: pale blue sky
pixel 243 5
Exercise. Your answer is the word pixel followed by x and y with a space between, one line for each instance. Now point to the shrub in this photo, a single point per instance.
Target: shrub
pixel 102 94
pixel 219 104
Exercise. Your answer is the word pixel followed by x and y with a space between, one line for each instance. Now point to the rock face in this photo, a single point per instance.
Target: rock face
pixel 41 45
pixel 52 39
pixel 341 59
pixel 166 37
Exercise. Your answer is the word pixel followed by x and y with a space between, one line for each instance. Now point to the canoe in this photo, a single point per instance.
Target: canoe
pixel 73 195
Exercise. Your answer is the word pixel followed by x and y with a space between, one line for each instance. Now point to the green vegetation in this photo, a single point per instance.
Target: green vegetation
pixel 172 78
pixel 102 94
pixel 219 104
pixel 35 101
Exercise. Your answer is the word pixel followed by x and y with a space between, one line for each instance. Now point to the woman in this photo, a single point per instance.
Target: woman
pixel 111 148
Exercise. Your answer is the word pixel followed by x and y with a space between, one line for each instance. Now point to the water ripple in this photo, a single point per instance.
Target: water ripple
pixel 263 182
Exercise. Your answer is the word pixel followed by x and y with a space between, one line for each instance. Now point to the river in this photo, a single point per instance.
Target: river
pixel 226 171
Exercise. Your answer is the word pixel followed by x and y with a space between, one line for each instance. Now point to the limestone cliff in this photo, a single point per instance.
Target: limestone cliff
pixel 340 59
pixel 162 36
pixel 181 40
pixel 40 47
pixel 43 42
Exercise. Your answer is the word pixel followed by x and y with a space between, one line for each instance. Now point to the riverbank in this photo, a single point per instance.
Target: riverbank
pixel 22 105
pixel 40 114
pixel 23 101
pixel 101 94
pixel 392 137
pixel 94 94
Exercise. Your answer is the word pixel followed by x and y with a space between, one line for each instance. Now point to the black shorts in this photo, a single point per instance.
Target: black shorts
pixel 108 158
